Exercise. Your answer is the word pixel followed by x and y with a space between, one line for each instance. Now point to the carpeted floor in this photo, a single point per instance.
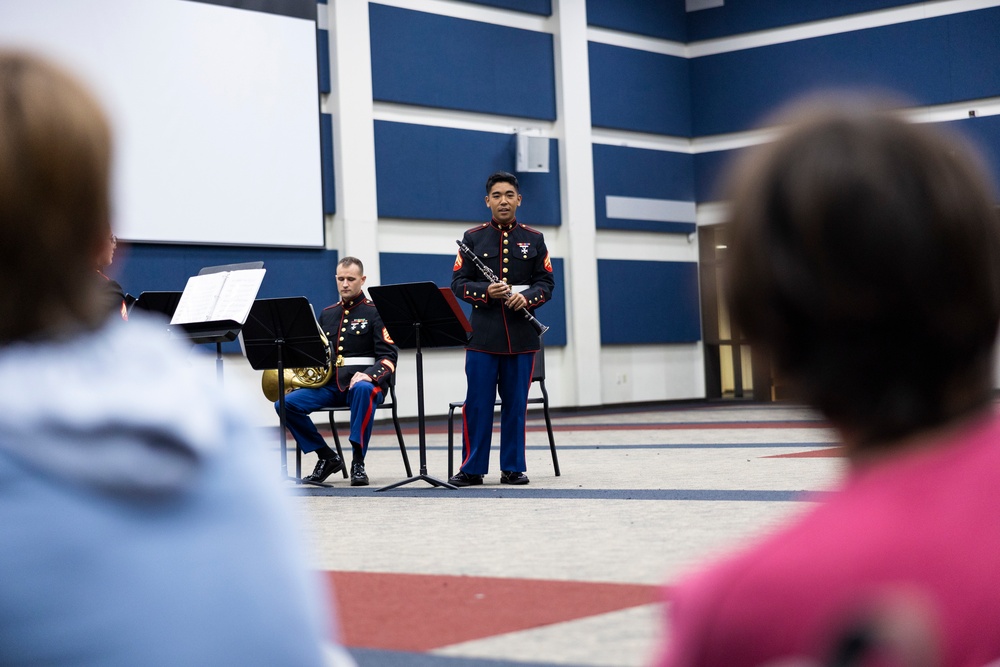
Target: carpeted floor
pixel 569 570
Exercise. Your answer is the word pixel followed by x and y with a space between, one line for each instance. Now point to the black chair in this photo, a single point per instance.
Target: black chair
pixel 537 375
pixel 389 402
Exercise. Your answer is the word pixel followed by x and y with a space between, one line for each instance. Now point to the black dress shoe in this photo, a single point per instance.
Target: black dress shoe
pixel 324 468
pixel 465 479
pixel 358 475
pixel 509 477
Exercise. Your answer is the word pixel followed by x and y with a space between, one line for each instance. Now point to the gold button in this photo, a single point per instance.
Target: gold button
pixel 505 277
pixel 341 348
pixel 486 254
pixel 506 250
pixel 505 269
pixel 506 259
pixel 341 338
pixel 347 312
pixel 343 328
pixel 505 234
pixel 505 241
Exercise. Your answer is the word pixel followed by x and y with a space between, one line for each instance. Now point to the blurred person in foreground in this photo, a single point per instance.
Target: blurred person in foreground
pixel 866 262
pixel 113 292
pixel 138 527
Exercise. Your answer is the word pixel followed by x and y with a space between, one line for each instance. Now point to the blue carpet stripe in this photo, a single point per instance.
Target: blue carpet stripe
pixel 423 489
pixel 691 445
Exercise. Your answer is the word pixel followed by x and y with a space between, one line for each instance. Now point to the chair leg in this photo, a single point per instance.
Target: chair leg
pixel 336 443
pixel 548 427
pixel 451 441
pixel 399 436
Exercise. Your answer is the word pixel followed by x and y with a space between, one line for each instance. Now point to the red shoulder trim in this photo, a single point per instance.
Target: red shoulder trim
pixel 530 229
pixel 477 228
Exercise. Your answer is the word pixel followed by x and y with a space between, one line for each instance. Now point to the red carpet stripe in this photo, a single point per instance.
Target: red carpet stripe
pixel 414 612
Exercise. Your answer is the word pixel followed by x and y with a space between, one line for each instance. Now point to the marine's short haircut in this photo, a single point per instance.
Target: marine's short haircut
pixel 501 177
pixel 352 261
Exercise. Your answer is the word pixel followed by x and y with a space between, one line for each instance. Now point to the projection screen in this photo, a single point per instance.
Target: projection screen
pixel 215 112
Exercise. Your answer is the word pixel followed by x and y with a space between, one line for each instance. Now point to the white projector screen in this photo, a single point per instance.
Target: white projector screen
pixel 215 113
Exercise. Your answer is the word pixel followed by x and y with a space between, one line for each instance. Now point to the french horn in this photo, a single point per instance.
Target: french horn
pixel 295 378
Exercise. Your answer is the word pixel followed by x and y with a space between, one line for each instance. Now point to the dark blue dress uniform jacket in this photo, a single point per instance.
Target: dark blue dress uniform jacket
pixel 355 329
pixel 518 256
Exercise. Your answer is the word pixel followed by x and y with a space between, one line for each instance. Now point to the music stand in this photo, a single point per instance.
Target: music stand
pixel 278 334
pixel 419 315
pixel 215 331
pixel 164 303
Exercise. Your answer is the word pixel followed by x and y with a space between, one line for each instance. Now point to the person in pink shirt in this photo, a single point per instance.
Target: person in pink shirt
pixel 866 262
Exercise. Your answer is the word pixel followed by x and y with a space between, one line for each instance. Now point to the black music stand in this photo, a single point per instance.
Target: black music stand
pixel 216 331
pixel 278 334
pixel 164 303
pixel 226 332
pixel 420 315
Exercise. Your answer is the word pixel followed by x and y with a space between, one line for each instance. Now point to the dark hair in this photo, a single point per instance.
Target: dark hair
pixel 865 262
pixel 55 157
pixel 501 177
pixel 352 261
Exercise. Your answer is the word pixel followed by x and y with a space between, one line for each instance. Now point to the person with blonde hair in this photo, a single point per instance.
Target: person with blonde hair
pixel 138 526
pixel 865 261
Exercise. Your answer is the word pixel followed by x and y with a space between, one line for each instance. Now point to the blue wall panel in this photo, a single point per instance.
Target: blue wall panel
pixel 290 272
pixel 639 90
pixel 540 7
pixel 984 135
pixel 933 61
pixel 435 173
pixel 444 62
pixel 323 59
pixel 656 18
pixel 636 172
pixel 740 16
pixel 326 163
pixel 709 170
pixel 648 302
pixel 411 268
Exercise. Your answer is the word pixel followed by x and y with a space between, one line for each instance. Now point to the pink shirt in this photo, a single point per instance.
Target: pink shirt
pixel 926 520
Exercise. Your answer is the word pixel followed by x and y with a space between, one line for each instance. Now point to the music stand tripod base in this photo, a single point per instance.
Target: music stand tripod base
pixel 419 315
pixel 417 478
pixel 303 480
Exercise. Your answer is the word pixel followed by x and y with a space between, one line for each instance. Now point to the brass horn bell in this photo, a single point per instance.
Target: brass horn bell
pixel 310 376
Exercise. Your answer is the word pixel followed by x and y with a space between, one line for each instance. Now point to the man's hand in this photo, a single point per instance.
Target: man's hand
pixel 359 377
pixel 501 290
pixel 517 301
pixel 498 290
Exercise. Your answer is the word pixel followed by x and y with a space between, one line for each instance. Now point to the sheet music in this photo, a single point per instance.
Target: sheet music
pixel 226 295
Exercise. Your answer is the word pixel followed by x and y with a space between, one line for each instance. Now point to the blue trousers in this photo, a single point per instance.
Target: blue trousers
pixel 363 398
pixel 486 375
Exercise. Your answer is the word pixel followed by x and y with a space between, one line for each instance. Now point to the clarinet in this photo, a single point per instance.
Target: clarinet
pixel 492 277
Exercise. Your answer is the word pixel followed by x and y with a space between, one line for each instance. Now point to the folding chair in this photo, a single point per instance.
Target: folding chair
pixel 537 375
pixel 390 402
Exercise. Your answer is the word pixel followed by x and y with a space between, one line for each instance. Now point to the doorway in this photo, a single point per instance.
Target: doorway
pixel 732 370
